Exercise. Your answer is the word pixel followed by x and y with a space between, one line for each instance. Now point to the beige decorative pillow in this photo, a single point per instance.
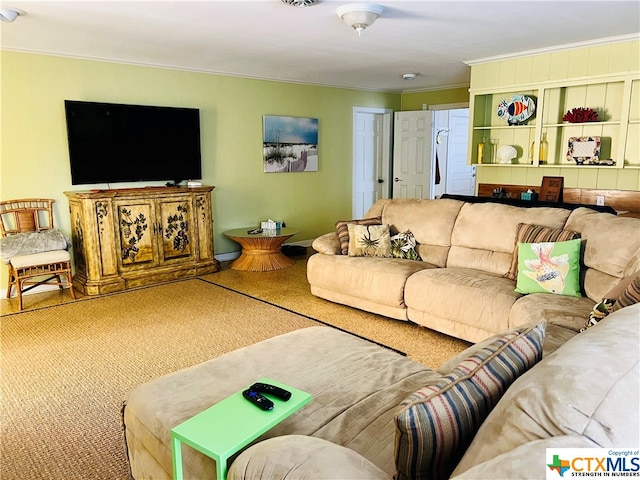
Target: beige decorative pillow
pixel 342 230
pixel 369 241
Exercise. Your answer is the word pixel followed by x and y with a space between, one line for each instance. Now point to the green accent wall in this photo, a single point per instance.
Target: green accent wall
pixel 35 159
pixel 414 100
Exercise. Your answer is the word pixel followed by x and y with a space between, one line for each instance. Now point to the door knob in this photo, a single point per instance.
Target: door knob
pixel 397 179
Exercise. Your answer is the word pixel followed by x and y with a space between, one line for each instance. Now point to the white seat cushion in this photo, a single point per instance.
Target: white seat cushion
pixel 42 258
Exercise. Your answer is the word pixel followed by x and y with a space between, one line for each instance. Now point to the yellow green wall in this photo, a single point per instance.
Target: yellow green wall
pixel 415 100
pixel 615 58
pixel 35 160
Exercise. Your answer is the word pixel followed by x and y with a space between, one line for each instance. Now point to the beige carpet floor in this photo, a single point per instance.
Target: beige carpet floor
pixel 66 366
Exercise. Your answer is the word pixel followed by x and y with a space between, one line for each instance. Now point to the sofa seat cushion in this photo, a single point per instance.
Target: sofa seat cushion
pixel 378 281
pixel 589 388
pixel 466 297
pixel 565 316
pixel 298 457
pixel 356 387
pixel 565 311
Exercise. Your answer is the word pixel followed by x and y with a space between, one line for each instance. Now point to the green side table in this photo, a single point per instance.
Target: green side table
pixel 226 427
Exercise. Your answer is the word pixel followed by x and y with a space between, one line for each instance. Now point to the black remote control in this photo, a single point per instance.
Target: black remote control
pixel 281 393
pixel 257 399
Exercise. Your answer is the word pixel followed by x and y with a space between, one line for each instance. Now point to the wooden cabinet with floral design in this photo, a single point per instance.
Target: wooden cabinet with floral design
pixel 125 238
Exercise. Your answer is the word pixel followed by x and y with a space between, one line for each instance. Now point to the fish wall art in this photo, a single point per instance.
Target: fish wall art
pixel 518 110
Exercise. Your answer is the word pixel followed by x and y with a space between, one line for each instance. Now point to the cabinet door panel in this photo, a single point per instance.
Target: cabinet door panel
pixel 176 218
pixel 135 227
pixel 203 217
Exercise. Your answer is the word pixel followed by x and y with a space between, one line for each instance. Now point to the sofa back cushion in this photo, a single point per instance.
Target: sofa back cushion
pixel 484 234
pixel 430 221
pixel 611 248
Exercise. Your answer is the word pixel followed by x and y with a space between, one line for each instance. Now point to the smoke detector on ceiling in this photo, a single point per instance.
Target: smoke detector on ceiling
pixel 300 3
pixel 409 76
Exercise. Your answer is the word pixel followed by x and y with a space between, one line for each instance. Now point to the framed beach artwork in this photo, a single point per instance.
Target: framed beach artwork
pixel 290 144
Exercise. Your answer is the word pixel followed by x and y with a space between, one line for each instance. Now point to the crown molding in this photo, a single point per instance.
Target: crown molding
pixel 434 89
pixel 556 48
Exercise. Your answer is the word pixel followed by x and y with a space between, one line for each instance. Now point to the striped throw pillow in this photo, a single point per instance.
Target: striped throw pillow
pixel 630 296
pixel 527 233
pixel 342 230
pixel 435 425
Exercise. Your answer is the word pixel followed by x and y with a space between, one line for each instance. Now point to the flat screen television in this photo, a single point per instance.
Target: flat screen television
pixel 111 143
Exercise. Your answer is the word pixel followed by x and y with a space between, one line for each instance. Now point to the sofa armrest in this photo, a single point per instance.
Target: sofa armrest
pixel 300 457
pixel 327 244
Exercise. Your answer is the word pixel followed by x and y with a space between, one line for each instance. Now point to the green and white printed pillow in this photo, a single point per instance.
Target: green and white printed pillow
pixel 549 267
pixel 403 245
pixel 528 233
pixel 369 241
pixel 436 424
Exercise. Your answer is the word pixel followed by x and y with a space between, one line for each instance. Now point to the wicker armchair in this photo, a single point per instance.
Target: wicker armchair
pixel 32 247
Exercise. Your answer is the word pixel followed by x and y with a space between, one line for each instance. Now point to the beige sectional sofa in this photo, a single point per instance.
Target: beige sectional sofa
pixel 585 394
pixel 459 286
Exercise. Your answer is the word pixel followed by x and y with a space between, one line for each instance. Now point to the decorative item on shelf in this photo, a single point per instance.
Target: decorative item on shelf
pixel 606 162
pixel 494 150
pixel 498 193
pixel 580 115
pixel 518 110
pixel 506 153
pixel 584 150
pixel 481 152
pixel 529 195
pixel 552 189
pixel 544 149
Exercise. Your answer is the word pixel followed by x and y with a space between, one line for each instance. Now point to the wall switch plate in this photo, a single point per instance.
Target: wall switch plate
pixel 600 200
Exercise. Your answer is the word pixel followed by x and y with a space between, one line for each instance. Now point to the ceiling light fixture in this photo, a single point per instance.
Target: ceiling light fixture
pixel 409 76
pixel 9 14
pixel 360 15
pixel 300 3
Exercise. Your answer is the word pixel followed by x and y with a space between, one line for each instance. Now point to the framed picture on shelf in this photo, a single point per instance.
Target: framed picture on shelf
pixel 584 150
pixel 290 144
pixel 551 189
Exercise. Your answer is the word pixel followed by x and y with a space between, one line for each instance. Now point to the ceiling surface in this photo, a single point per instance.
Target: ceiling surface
pixel 268 39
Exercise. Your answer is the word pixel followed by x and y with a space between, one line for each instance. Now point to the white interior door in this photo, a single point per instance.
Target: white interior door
pixel 461 177
pixel 412 153
pixel 371 158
